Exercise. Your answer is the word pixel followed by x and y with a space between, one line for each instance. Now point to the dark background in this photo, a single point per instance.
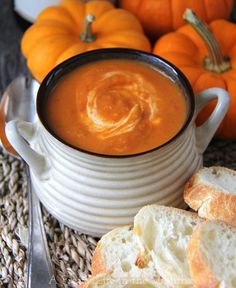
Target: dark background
pixel 12 63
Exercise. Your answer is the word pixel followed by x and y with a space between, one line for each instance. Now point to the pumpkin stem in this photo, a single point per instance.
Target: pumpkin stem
pixel 215 61
pixel 87 35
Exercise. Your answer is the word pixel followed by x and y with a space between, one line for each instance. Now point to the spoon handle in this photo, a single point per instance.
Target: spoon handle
pixel 40 269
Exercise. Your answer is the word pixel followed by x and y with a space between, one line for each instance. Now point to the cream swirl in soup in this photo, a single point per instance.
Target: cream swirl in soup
pixel 128 97
pixel 115 107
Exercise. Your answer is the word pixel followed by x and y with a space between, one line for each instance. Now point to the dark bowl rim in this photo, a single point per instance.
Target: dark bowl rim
pixel 54 73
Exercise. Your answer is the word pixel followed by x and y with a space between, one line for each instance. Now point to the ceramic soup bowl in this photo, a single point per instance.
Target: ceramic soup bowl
pixel 94 193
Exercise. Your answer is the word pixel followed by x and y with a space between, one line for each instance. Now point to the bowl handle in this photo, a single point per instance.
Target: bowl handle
pixel 206 131
pixel 19 133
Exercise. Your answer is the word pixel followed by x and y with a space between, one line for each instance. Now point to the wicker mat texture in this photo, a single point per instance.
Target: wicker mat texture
pixel 71 252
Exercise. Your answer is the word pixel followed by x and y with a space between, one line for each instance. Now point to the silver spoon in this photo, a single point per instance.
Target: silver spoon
pixel 18 102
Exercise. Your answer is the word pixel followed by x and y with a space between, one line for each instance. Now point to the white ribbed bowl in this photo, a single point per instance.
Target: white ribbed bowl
pixel 94 194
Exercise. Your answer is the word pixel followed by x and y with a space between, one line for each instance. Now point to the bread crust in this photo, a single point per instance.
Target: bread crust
pixel 98 267
pixel 209 202
pixel 200 272
pixel 91 280
pixel 106 279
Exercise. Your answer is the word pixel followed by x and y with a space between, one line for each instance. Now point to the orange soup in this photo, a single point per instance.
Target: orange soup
pixel 115 107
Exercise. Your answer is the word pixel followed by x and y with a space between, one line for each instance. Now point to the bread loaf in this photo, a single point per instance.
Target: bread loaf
pixel 163 234
pixel 212 192
pixel 212 255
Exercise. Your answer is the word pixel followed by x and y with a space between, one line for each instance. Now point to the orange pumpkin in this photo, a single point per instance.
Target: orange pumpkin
pixel 73 27
pixel 199 54
pixel 161 16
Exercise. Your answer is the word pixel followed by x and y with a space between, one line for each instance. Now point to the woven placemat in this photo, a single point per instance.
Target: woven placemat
pixel 71 252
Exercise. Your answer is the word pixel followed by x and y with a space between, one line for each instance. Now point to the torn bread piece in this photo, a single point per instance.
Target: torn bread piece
pixel 212 255
pixel 106 281
pixel 116 254
pixel 163 234
pixel 212 192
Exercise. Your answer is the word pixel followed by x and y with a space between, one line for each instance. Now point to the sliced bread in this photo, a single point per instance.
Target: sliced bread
pixel 212 255
pixel 212 192
pixel 116 254
pixel 106 281
pixel 163 234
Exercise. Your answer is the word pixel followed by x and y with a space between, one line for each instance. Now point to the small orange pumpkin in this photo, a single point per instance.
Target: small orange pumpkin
pixel 198 53
pixel 161 16
pixel 73 27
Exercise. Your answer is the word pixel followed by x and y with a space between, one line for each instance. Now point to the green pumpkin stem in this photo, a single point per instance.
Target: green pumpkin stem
pixel 215 61
pixel 87 34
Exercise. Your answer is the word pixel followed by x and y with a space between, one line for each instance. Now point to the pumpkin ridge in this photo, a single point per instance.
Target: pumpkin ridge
pixel 35 37
pixel 49 23
pixel 124 32
pixel 116 32
pixel 188 76
pixel 206 10
pixel 174 57
pixel 115 44
pixel 75 13
pixel 229 75
pixel 55 10
pixel 72 51
pixel 225 2
pixel 103 40
pixel 66 33
pixel 119 16
pixel 139 4
pixel 171 14
pixel 105 6
pixel 47 61
pixel 225 82
pixel 196 80
pixel 224 41
pixel 177 38
pixel 228 4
